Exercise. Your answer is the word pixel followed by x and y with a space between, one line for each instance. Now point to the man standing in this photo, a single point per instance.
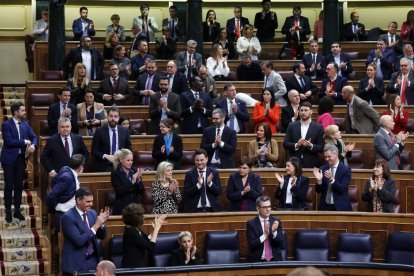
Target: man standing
pixel 140 60
pixel 219 141
pixel 163 105
pixel 387 145
pixel 236 111
pixel 63 108
pixel 41 27
pixel 304 138
pixel 113 89
pixel 354 31
pixel 61 146
pixel 147 83
pixel 81 227
pixel 342 60
pixel 166 46
pixel 264 234
pixel 19 140
pixel 266 22
pixel 107 140
pixel 209 84
pixel 395 41
pixel 178 82
pixel 402 82
pixel 138 36
pixel 274 81
pixel 189 61
pixel 290 112
pixel 361 118
pixel 301 83
pixel 315 63
pixel 148 23
pixel 175 24
pixel 249 70
pixel 235 25
pixel 383 58
pixel 296 27
pixel 83 26
pixel 332 181
pixel 202 186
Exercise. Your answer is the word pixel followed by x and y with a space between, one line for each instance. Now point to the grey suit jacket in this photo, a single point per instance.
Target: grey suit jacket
pixel 386 149
pixel 182 62
pixel 173 103
pixel 275 82
pixel 152 26
pixel 366 118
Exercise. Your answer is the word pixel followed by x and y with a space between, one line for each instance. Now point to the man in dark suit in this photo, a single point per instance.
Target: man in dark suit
pixel 81 227
pixel 64 186
pixel 354 31
pixel 189 61
pixel 83 26
pixel 107 140
pixel 332 85
pixel 166 46
pixel 175 24
pixel 402 82
pixel 314 62
pixel 219 141
pixel 138 36
pixel 77 54
pixel 61 146
pixel 264 234
pixel 296 27
pixel 290 112
pixel 395 41
pixel 178 82
pixel 304 138
pixel 301 83
pixel 236 111
pixel 139 61
pixel 341 59
pixel 147 84
pixel 202 186
pixel 19 140
pixel 113 89
pixel 332 181
pixel 235 25
pixel 384 58
pixel 265 22
pixel 62 109
pixel 249 70
pixel 163 105
pixel 196 108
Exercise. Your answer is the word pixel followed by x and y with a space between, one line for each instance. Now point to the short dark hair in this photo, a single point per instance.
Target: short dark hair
pixel 133 215
pixel 82 8
pixel 265 1
pixel 386 170
pixel 334 65
pixel 165 77
pixel 201 152
pixel 326 104
pixel 15 107
pixel 227 85
pixel 83 38
pixel 383 40
pixel 262 199
pixel 296 65
pixel 115 17
pixel 143 6
pixel 114 108
pixel 307 104
pixel 246 160
pixel 296 163
pixel 267 63
pixel 173 7
pixel 63 89
pixel 76 161
pixel 82 192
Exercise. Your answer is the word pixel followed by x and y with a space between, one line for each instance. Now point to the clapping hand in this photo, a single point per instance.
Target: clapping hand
pixel 158 222
pixel 318 174
pixel 210 178
pixel 275 226
pixel 136 176
pixel 279 179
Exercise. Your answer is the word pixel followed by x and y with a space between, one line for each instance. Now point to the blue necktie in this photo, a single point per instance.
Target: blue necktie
pixel 231 116
pixel 113 146
pixel 302 83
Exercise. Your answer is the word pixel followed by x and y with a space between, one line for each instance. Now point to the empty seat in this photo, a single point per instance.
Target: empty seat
pixel 143 160
pixel 352 55
pixel 354 248
pixel 187 162
pixel 51 75
pixel 400 248
pixel 286 74
pixel 43 128
pixel 406 158
pixel 283 248
pixel 340 122
pixel 138 125
pixel 312 245
pixel 353 197
pixel 222 247
pixel 41 99
pixel 147 201
pixel 357 160
pixel 166 243
pixel 115 250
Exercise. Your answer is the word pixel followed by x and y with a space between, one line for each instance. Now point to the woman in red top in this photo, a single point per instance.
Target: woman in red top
pixel 400 116
pixel 267 110
pixel 407 27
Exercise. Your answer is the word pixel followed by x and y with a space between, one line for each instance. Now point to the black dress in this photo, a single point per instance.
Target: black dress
pixel 178 258
pixel 138 249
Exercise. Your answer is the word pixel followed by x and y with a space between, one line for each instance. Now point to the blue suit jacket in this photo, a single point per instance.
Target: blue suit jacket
pixel 63 188
pixel 340 82
pixel 373 95
pixel 77 29
pixel 242 114
pixel 53 116
pixel 76 240
pixel 190 119
pixel 192 193
pixel 343 58
pixel 180 84
pixel 320 59
pixel 254 231
pixel 229 137
pixel 11 141
pixel 235 186
pixel 339 188
pixel 387 62
pixel 299 192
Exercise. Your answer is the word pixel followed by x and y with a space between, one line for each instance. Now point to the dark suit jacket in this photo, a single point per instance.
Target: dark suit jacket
pixel 309 156
pixel 105 87
pixel 11 141
pixel 343 58
pixel 63 188
pixel 140 85
pixel 254 231
pixel 182 62
pixel 340 82
pixel 398 47
pixel 265 26
pixel 140 36
pixel 173 103
pixel 180 84
pixel 339 188
pixel 137 248
pixel 190 118
pixel 54 156
pixel 386 195
pixel 251 73
pixel 75 56
pixel 231 26
pixel 290 22
pixel 192 193
pixel 53 116
pixel 215 30
pixel 242 114
pixel 287 115
pixel 235 187
pixel 76 240
pixel 320 59
pixel 373 95
pixel 293 83
pixel 178 257
pixel 126 192
pixel 387 62
pixel 179 28
pixel 348 34
pixel 229 137
pixel 299 192
pixel 101 145
pixel 174 157
pixel 77 28
pixel 165 51
pixel 409 92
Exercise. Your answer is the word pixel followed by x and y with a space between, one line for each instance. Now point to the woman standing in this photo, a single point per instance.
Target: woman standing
pixel 79 84
pixel 123 62
pixel 216 64
pixel 371 88
pixel 263 150
pixel 211 27
pixel 248 43
pixel 325 109
pixel 116 28
pixel 90 115
pixel 187 254
pixel 227 44
pixel 333 137
pixel 267 111
pixel 112 40
pixel 398 113
pixel 407 28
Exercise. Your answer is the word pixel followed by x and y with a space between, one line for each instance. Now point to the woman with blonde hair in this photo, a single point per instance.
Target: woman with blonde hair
pixel 112 40
pixel 187 254
pixel 78 84
pixel 248 43
pixel 217 67
pixel 333 137
pixel 165 192
pixel 126 181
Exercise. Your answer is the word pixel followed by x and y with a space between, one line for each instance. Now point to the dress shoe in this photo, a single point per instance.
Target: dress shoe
pixel 19 216
pixel 8 216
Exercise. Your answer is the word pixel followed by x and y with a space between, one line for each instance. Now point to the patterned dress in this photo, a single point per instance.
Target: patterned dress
pixel 164 203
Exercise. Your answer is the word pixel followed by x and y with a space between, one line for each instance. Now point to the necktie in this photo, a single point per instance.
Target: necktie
pixel 237 31
pixel 329 191
pixel 392 141
pixel 203 190
pixel 302 83
pixel 67 147
pixel 403 88
pixel 172 28
pixel 189 67
pixel 231 116
pixel 267 248
pixel 145 26
pixel 89 251
pixel 148 86
pixel 266 78
pixel 64 106
pixel 113 146
pixel 114 83
pixel 197 95
pixel 392 39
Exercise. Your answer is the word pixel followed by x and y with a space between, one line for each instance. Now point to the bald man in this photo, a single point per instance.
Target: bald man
pixel 105 268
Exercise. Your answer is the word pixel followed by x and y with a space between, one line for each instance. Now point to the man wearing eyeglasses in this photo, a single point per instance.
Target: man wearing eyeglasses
pixel 264 234
pixel 402 82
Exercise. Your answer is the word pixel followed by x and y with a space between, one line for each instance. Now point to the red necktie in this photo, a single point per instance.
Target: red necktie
pixel 237 31
pixel 403 88
pixel 392 141
pixel 114 85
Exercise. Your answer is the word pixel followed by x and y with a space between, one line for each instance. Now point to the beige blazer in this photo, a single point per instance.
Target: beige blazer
pixel 273 152
pixel 82 116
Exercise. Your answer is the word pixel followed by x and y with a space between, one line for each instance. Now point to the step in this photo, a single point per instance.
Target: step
pixel 13 95
pixel 25 209
pixel 30 222
pixel 26 268
pixel 27 197
pixel 23 237
pixel 9 102
pixel 17 254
